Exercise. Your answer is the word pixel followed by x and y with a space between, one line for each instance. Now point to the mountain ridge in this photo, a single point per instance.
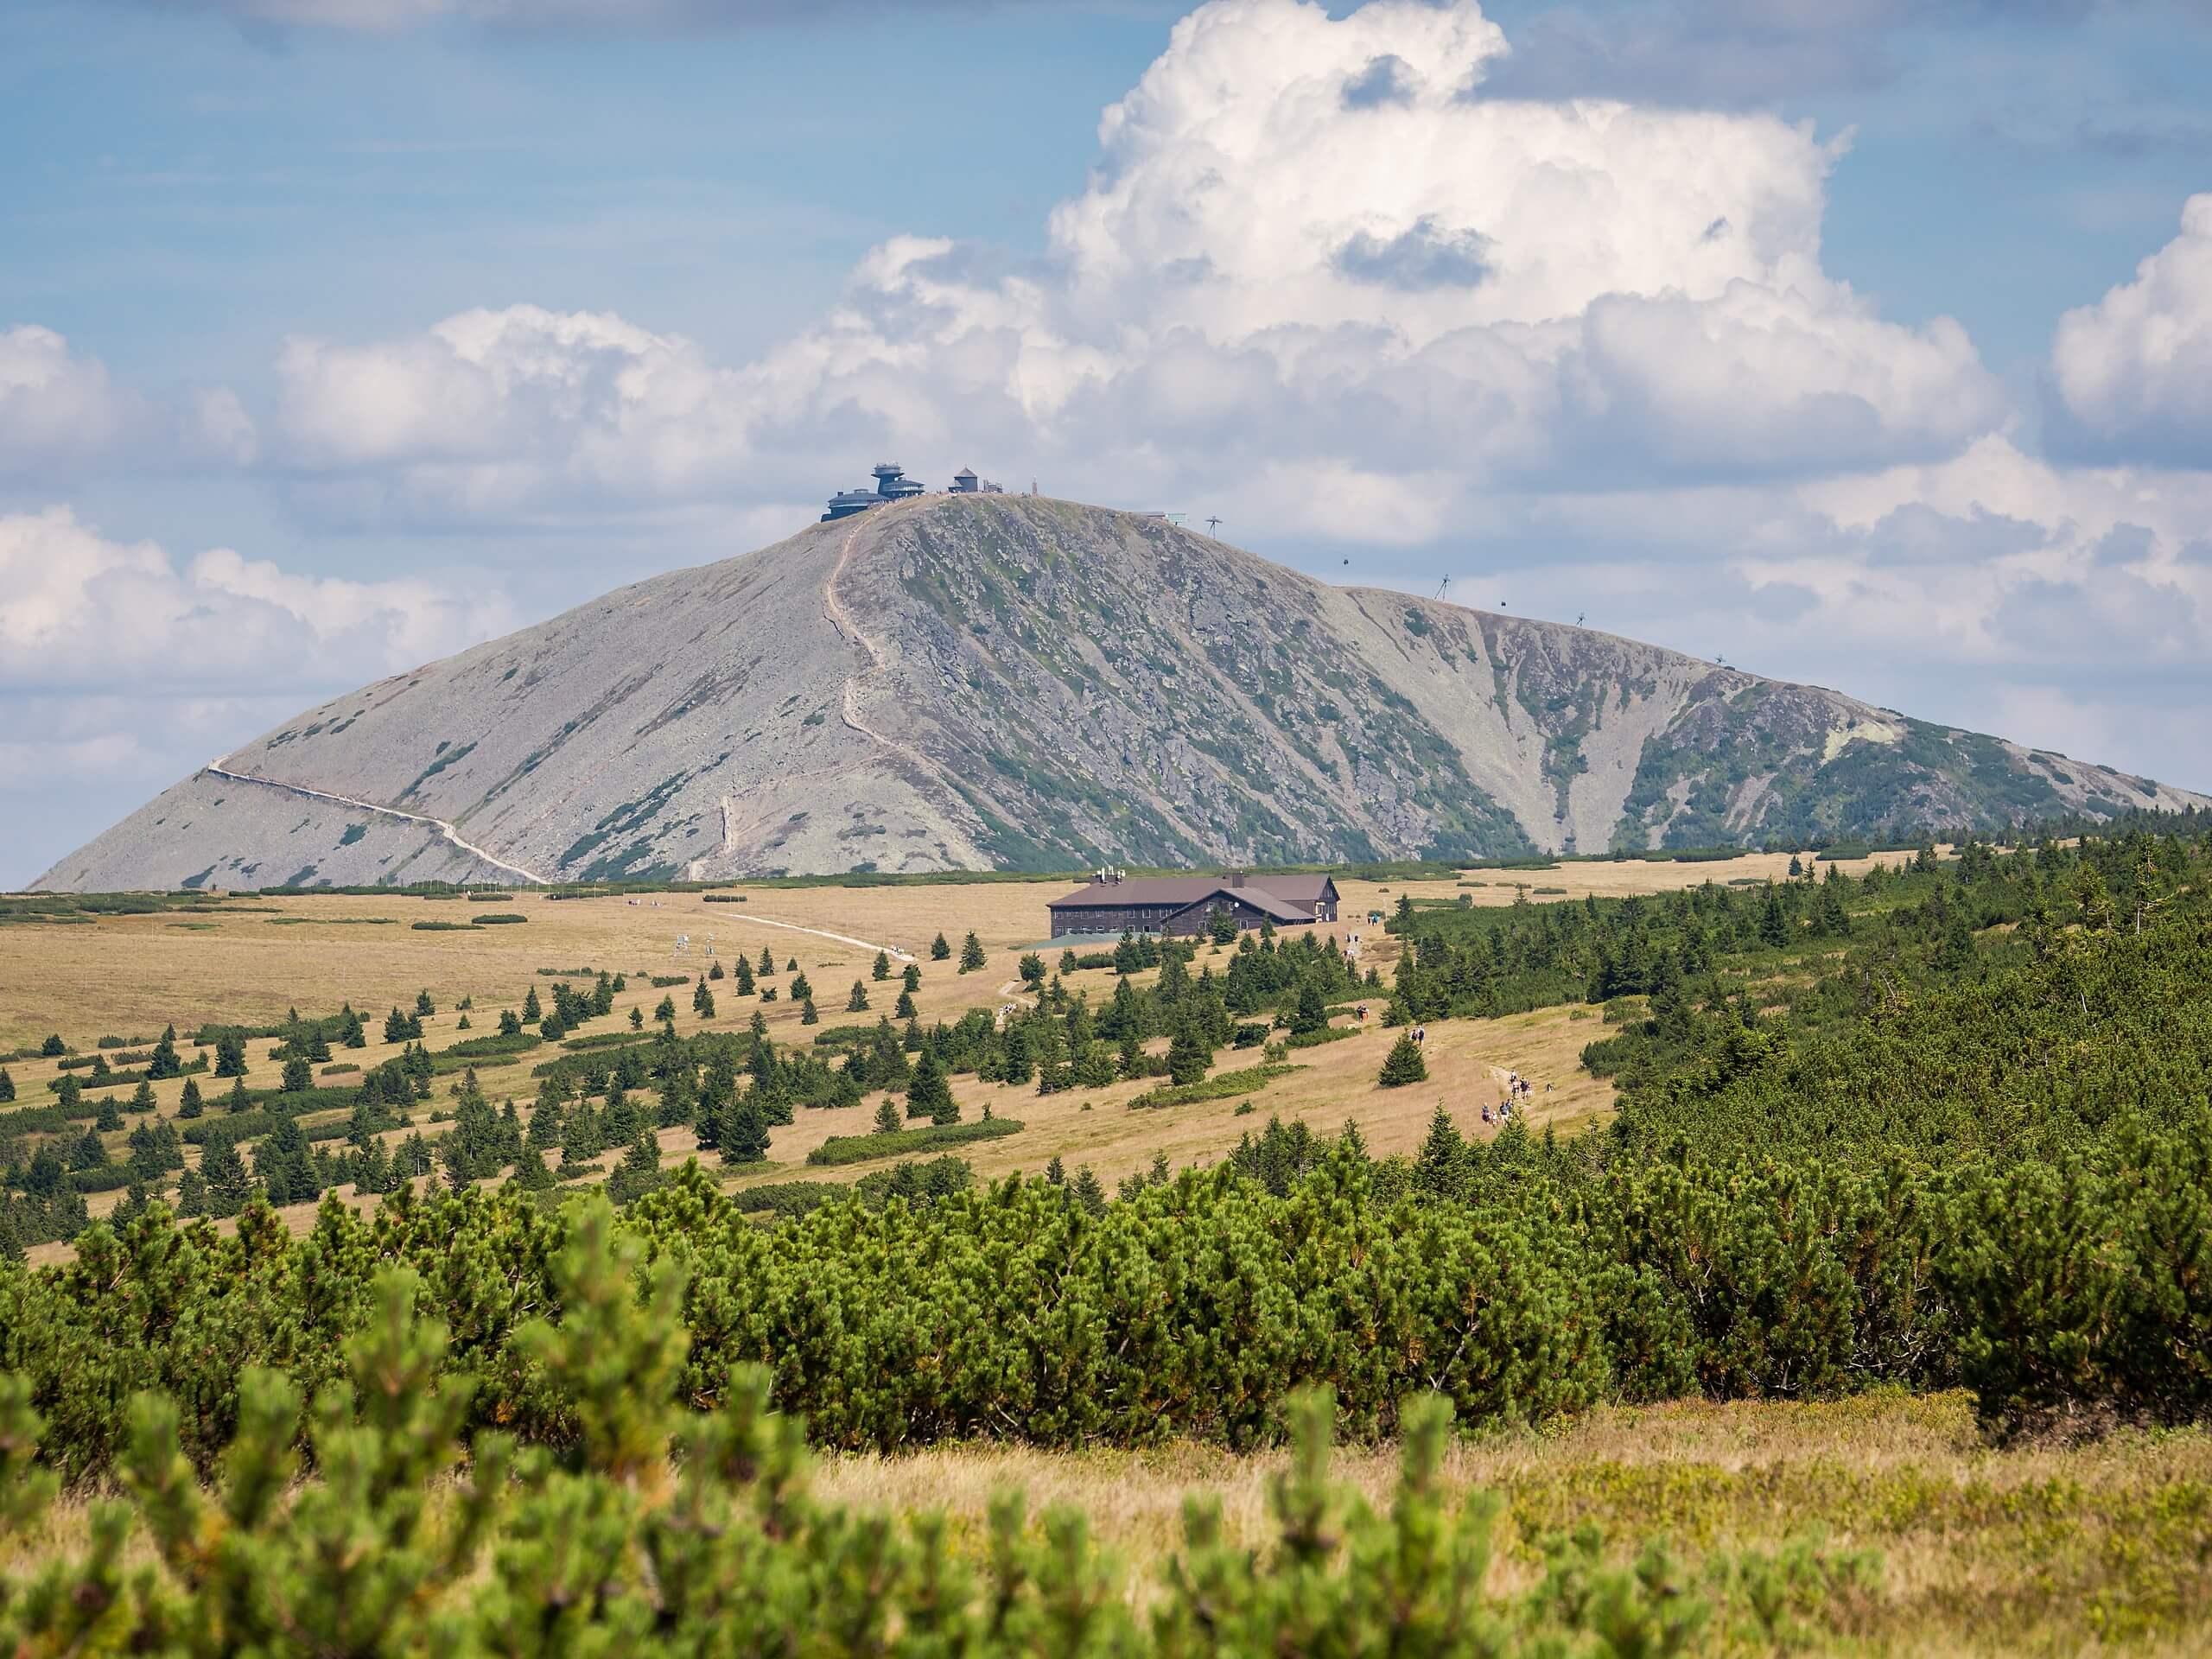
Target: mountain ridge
pixel 971 682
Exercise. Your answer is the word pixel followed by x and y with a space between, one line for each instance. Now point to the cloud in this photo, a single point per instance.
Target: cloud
pixel 61 412
pixel 78 611
pixel 56 408
pixel 1305 257
pixel 2133 372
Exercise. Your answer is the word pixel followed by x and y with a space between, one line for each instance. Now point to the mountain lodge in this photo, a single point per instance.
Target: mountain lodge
pixel 1112 903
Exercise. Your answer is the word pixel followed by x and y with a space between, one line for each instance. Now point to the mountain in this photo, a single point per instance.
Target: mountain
pixel 967 681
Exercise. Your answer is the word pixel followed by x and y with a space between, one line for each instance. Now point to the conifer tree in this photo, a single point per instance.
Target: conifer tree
pixel 881 970
pixel 745 981
pixel 188 1104
pixel 637 1174
pixel 801 988
pixel 928 1094
pixel 109 1118
pixel 665 1011
pixel 747 1139
pixel 911 979
pixel 971 954
pixel 856 1002
pixel 703 1001
pixel 142 1098
pixel 714 972
pixel 7 1085
pixel 283 1164
pixel 1088 1193
pixel 163 1062
pixel 298 1075
pixel 532 1010
pixel 423 1007
pixel 230 1054
pixel 190 1194
pixel 938 952
pixel 768 961
pixel 1188 1057
pixel 807 1015
pixel 1405 1063
pixel 904 1009
pixel 887 1118
pixel 229 1187
pixel 1441 1167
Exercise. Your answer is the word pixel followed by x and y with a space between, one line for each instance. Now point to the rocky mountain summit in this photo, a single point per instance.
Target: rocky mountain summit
pixel 995 680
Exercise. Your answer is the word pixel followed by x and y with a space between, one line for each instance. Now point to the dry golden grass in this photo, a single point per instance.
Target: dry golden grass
pixel 2036 1550
pixel 1983 1551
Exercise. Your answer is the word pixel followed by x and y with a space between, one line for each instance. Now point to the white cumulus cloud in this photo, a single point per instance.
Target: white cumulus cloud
pixel 1312 249
pixel 2134 371
pixel 78 612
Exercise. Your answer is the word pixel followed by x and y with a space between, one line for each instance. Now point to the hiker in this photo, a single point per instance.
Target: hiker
pixel 1486 1117
pixel 1421 1033
pixel 1361 1012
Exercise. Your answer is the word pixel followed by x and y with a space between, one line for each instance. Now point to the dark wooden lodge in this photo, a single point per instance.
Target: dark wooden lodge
pixel 1186 904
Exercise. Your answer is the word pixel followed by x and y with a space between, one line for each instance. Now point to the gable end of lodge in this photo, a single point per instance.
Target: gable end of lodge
pixel 1185 905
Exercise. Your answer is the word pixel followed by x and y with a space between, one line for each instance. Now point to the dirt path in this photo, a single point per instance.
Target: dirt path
pixel 842 619
pixel 890 950
pixel 438 824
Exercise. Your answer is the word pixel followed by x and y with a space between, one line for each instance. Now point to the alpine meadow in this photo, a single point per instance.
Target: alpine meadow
pixel 1509 956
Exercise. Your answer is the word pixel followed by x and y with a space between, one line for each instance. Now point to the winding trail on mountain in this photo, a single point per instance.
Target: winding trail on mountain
pixel 847 625
pixel 438 824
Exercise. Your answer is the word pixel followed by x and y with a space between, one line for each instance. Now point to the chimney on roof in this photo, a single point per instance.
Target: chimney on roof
pixel 1237 878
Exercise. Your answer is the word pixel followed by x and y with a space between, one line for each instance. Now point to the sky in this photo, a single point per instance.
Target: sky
pixel 1866 343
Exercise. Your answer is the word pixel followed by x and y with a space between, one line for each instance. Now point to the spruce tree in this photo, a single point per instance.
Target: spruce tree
pixel 298 1075
pixel 229 1187
pixel 7 1085
pixel 142 1098
pixel 745 981
pixel 423 1007
pixel 857 1001
pixel 1405 1063
pixel 747 1139
pixel 911 979
pixel 532 1010
pixel 887 1118
pixel 801 988
pixel 882 968
pixel 938 952
pixel 1188 1057
pixel 1440 1168
pixel 971 954
pixel 637 1174
pixel 285 1166
pixel 1088 1192
pixel 164 1062
pixel 109 1118
pixel 188 1104
pixel 807 1015
pixel 928 1094
pixel 904 1006
pixel 768 961
pixel 230 1054
pixel 703 1001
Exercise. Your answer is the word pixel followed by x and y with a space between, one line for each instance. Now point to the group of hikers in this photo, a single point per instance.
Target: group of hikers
pixel 1516 1086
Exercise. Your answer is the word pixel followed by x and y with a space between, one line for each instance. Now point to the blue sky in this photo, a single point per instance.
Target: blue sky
pixel 336 334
